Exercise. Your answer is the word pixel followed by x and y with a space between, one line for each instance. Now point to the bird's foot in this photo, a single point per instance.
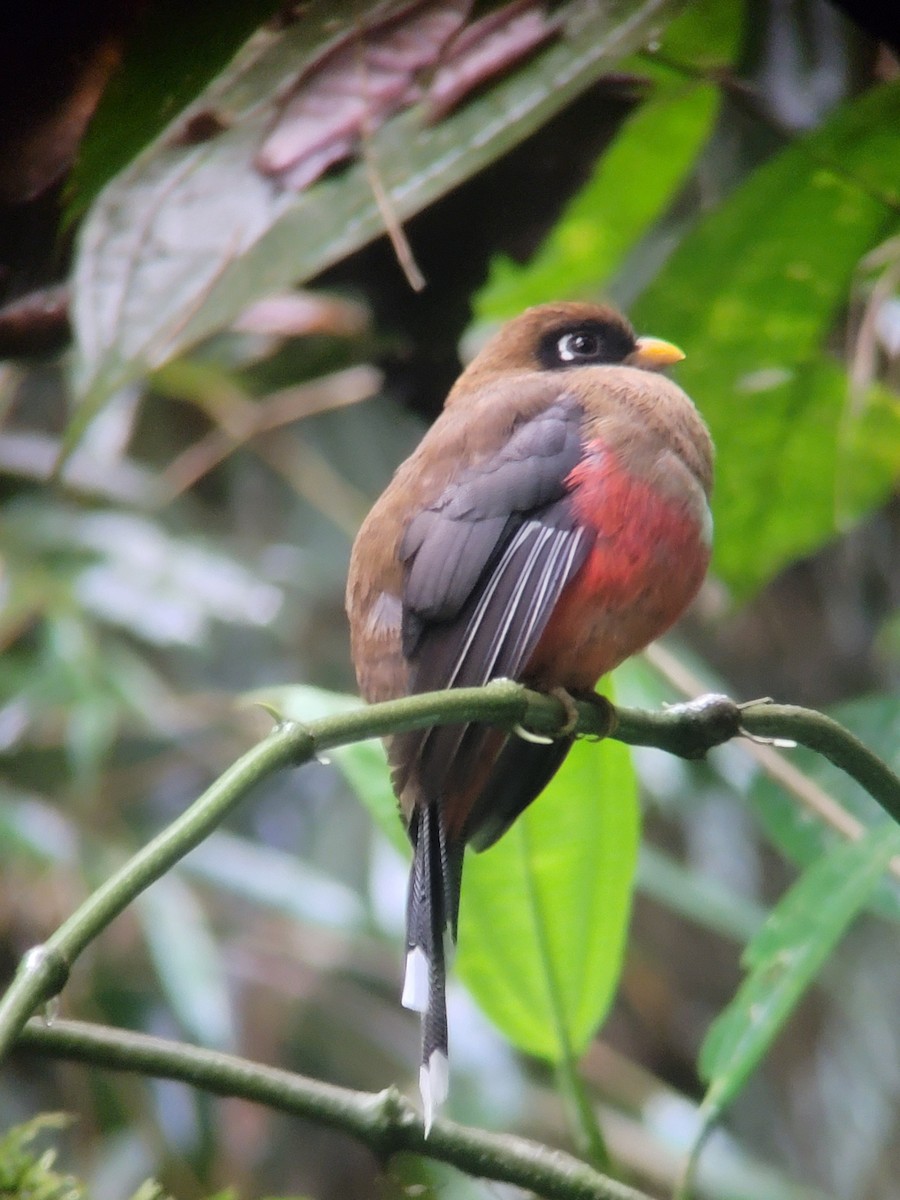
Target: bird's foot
pixel 570 699
pixel 565 730
pixel 607 719
pixel 570 708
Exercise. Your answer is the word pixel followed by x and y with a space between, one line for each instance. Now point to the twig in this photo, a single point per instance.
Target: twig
pixel 393 227
pixel 768 720
pixel 383 1121
pixel 392 223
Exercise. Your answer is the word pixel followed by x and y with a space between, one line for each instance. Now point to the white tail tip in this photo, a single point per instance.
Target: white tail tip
pixel 415 982
pixel 434 1083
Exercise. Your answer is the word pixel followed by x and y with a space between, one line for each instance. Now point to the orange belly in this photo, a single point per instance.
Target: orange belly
pixel 646 565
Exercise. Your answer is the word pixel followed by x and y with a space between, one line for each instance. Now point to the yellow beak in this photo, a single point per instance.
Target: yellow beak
pixel 653 354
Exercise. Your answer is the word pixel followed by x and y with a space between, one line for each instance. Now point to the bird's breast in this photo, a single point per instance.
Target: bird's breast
pixel 649 553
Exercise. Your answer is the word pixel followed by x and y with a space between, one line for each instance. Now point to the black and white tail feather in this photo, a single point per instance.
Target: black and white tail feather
pixel 432 908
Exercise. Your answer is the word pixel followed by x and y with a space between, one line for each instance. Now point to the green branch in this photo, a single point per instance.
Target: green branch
pixel 691 729
pixel 820 733
pixel 384 1121
pixel 688 730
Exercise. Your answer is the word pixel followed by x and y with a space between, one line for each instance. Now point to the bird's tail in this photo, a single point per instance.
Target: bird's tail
pixel 432 907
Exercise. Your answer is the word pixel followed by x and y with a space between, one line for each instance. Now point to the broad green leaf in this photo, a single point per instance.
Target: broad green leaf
pixel 801 835
pixel 791 472
pixel 632 184
pixel 706 37
pixel 187 961
pixel 363 764
pixel 784 958
pixel 752 295
pixel 545 911
pixel 179 243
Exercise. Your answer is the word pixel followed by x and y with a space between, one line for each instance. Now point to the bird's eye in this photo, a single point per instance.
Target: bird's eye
pixel 585 343
pixel 574 346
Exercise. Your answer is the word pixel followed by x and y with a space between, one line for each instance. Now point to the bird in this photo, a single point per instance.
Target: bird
pixel 553 521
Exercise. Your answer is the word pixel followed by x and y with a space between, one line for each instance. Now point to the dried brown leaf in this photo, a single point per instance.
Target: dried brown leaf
pixel 349 92
pixel 485 49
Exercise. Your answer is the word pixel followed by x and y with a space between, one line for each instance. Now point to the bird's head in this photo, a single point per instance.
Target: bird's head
pixel 568 335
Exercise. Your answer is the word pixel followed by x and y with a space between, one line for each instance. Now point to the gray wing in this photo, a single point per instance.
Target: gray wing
pixel 485 567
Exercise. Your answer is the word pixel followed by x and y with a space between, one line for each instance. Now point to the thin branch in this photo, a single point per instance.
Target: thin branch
pixel 830 739
pixel 688 730
pixel 385 1122
pixel 776 765
pixel 691 729
pixel 380 194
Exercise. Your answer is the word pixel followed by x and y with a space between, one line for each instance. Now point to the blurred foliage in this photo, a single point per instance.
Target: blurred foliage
pixel 756 287
pixel 783 958
pixel 23 1171
pixel 193 547
pixel 27 1173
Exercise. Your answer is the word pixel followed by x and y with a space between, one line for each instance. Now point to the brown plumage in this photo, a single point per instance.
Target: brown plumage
pixel 553 521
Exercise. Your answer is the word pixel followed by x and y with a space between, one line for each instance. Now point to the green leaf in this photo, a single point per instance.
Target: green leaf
pixel 798 474
pixel 801 835
pixel 706 37
pixel 363 764
pixel 784 958
pixel 631 186
pixel 177 245
pixel 752 296
pixel 545 911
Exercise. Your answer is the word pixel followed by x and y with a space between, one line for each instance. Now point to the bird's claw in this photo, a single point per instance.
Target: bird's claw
pixel 528 735
pixel 607 711
pixel 569 727
pixel 570 708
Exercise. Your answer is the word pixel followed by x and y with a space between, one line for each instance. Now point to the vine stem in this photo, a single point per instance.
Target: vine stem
pixel 383 1121
pixel 778 766
pixel 688 730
